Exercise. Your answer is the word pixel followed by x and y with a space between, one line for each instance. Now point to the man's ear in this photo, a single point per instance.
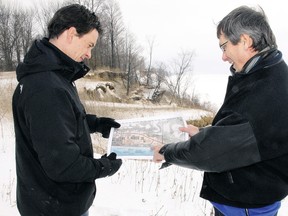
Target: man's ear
pixel 247 41
pixel 70 34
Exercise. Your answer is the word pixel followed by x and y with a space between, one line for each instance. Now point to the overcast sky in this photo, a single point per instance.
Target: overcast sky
pixel 184 25
pixel 191 25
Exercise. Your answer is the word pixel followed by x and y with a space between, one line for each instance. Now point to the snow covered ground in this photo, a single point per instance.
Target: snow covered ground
pixel 139 188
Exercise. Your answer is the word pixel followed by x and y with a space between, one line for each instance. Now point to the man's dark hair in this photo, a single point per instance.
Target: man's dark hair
pixel 73 15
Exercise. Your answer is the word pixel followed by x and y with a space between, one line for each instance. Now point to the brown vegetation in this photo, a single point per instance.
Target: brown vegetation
pixel 202 122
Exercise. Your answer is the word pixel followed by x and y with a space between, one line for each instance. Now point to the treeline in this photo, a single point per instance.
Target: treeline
pixel 116 49
pixel 19 27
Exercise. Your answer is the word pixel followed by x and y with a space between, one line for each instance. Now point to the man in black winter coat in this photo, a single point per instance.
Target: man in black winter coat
pixel 56 170
pixel 244 153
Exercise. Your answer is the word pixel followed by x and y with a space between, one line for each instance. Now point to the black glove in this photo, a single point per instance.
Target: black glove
pixel 110 165
pixel 162 151
pixel 103 125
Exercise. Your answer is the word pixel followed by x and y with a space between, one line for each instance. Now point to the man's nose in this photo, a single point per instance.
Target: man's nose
pixel 224 57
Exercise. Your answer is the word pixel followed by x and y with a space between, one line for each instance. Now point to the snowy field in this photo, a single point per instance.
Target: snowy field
pixel 139 188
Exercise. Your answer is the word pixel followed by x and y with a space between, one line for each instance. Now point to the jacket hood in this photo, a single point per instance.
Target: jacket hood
pixel 44 56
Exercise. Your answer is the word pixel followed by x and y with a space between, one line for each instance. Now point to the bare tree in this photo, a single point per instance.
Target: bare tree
pixel 7 40
pixel 151 45
pixel 27 34
pixel 132 61
pixel 180 68
pixel 161 73
pixel 17 33
pixel 17 21
pixel 44 11
pixel 93 5
pixel 22 31
pixel 114 29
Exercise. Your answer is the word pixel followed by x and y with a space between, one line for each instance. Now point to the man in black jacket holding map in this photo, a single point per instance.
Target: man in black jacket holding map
pixel 56 170
pixel 245 152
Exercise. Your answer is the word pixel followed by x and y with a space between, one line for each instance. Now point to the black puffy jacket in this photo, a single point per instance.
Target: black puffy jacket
pixel 56 170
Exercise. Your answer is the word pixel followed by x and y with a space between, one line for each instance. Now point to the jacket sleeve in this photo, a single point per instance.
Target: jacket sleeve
pixel 91 120
pixel 228 145
pixel 51 119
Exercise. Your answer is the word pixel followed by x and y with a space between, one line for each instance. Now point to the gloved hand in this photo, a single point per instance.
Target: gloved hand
pixel 103 125
pixel 110 165
pixel 162 151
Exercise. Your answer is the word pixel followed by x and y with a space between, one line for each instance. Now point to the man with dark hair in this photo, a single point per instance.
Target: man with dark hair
pixel 245 152
pixel 55 167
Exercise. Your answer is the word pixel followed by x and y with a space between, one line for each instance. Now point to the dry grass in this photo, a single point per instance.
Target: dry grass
pixel 202 122
pixel 7 85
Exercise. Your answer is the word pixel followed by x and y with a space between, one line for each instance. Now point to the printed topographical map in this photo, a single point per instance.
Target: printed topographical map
pixel 135 137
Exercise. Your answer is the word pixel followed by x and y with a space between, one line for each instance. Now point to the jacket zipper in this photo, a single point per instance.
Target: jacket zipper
pixel 230 178
pixel 246 212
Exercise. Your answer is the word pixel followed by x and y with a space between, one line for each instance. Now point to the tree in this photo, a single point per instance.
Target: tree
pixel 160 72
pixel 151 45
pixel 7 40
pixel 114 29
pixel 132 60
pixel 22 31
pixel 16 35
pixel 44 12
pixel 17 27
pixel 180 67
pixel 93 5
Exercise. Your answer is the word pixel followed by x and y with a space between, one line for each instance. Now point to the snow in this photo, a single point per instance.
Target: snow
pixel 139 188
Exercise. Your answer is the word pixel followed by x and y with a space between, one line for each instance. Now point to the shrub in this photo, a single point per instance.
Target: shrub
pixel 202 122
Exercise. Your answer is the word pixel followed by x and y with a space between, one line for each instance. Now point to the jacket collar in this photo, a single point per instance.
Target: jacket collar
pixel 70 69
pixel 264 58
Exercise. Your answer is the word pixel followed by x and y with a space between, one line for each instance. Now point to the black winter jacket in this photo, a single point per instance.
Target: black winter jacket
pixel 245 151
pixel 56 171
